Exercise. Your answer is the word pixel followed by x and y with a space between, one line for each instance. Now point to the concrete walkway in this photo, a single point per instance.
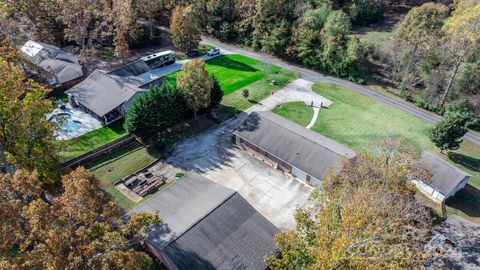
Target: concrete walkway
pixel 297 90
pixel 316 110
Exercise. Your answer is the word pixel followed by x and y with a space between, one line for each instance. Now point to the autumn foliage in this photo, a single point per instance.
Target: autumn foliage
pixel 366 217
pixel 76 229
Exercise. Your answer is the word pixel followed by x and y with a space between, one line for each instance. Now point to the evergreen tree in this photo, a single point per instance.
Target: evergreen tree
pixel 216 94
pixel 154 111
pixel 448 133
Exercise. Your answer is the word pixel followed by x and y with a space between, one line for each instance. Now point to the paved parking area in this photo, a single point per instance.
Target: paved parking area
pixel 212 154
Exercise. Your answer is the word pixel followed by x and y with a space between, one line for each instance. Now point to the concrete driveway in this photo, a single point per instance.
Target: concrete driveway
pixel 297 90
pixel 213 155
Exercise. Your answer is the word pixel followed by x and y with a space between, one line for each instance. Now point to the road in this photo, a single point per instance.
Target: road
pixel 314 76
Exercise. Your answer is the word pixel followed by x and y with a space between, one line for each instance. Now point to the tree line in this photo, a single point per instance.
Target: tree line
pixel 435 58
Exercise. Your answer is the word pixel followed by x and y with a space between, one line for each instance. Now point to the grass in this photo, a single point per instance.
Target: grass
pixel 89 141
pixel 235 102
pixel 298 112
pixel 233 71
pixel 360 122
pixel 122 162
pixel 107 53
pixel 379 39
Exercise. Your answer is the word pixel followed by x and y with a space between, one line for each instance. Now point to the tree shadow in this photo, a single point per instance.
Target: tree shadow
pixel 467 161
pixel 224 61
pixel 467 200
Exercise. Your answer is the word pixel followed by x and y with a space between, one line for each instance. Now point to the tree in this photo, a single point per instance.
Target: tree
pixel 463 33
pixel 245 93
pixel 315 18
pixel 216 94
pixel 75 229
pixel 276 40
pixel 421 29
pixel 149 8
pixel 365 217
pixel 42 17
pixel 151 113
pixel 25 132
pixel 195 85
pixel 78 17
pixel 185 28
pixel 447 134
pixel 124 26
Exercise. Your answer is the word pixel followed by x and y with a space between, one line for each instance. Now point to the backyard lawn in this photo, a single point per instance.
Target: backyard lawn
pixel 298 112
pixel 89 141
pixel 119 164
pixel 359 122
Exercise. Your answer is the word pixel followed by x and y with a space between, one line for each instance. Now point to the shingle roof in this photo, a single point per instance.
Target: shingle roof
pixel 465 251
pixel 300 147
pixel 209 226
pixel 445 175
pixel 233 236
pixel 100 93
pixel 63 65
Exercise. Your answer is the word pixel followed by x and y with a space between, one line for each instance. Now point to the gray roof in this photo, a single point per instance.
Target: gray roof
pixel 209 226
pixel 63 65
pixel 130 73
pixel 459 242
pixel 445 176
pixel 294 144
pixel 100 93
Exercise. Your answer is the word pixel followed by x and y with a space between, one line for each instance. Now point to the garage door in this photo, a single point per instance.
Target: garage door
pixel 299 174
pixel 315 182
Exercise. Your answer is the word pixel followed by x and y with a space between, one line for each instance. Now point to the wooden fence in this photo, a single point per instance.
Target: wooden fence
pixel 99 152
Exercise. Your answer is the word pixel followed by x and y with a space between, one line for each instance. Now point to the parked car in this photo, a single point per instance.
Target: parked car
pixel 193 53
pixel 213 52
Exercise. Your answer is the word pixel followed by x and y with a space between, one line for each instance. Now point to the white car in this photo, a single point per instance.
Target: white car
pixel 213 52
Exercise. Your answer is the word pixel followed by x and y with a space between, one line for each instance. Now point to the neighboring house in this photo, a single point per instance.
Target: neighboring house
pixel 454 245
pixel 108 96
pixel 446 179
pixel 207 226
pixel 62 69
pixel 290 147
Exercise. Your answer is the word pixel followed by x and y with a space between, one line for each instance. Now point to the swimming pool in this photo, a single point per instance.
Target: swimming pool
pixel 67 123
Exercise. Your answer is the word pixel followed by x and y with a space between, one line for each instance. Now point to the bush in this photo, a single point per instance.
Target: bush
pixel 424 104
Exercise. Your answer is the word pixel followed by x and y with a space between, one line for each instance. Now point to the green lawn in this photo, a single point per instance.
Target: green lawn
pixel 298 112
pixel 360 122
pixel 233 71
pixel 122 163
pixel 89 141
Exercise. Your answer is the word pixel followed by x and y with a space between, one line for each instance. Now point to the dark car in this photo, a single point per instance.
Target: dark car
pixel 193 53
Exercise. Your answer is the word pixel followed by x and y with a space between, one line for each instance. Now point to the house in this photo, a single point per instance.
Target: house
pixel 62 69
pixel 207 226
pixel 455 245
pixel 103 97
pixel 107 96
pixel 290 147
pixel 446 179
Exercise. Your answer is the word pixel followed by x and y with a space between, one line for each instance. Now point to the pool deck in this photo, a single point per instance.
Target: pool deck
pixel 87 123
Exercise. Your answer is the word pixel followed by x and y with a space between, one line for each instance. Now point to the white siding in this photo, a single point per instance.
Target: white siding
pixel 315 182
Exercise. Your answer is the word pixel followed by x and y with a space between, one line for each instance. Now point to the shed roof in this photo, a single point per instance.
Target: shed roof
pixel 63 65
pixel 445 176
pixel 209 226
pixel 100 93
pixel 459 241
pixel 300 147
